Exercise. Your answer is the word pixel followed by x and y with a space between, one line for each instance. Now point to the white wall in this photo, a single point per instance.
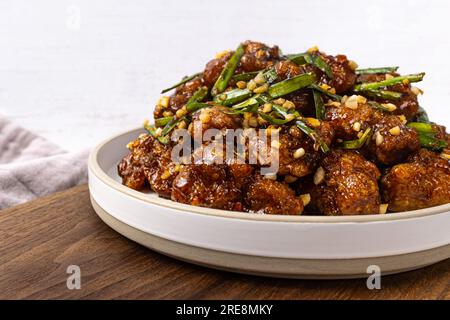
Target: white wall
pixel 77 79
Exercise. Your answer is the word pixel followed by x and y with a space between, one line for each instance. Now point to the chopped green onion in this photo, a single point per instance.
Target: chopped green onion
pixel 198 95
pixel 273 120
pixel 247 103
pixel 389 82
pixel 183 81
pixel 152 131
pixel 422 127
pixel 194 106
pixel 161 122
pixel 333 96
pixel 313 135
pixel 429 141
pixel 318 104
pixel 232 97
pixel 245 76
pixel 383 94
pixel 378 106
pixel 284 112
pixel 318 62
pixel 270 75
pixel 376 70
pixel 228 71
pixel 358 143
pixel 290 85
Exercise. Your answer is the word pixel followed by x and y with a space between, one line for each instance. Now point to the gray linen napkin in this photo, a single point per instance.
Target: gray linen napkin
pixel 31 167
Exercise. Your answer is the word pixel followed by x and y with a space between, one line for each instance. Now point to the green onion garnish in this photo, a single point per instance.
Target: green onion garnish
pixel 228 71
pixel 389 82
pixel 183 81
pixel 376 70
pixel 358 143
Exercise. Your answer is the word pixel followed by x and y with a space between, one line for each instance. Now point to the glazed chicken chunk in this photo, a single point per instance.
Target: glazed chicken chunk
pixel 422 181
pixel 326 128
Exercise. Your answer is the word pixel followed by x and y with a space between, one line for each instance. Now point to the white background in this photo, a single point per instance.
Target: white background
pixel 79 71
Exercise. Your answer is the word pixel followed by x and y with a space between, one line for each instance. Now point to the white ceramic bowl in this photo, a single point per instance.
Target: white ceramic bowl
pixel 282 246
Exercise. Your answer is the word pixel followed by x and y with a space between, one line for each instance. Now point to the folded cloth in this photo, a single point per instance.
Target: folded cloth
pixel 31 166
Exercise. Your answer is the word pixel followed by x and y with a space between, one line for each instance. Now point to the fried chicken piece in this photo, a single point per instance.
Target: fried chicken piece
pixel 132 172
pixel 180 97
pixel 209 185
pixel 342 119
pixel 347 186
pixel 272 197
pixel 296 162
pixel 344 77
pixel 258 56
pixel 214 67
pixel 396 143
pixel 407 105
pixel 148 160
pixel 423 181
pixel 216 117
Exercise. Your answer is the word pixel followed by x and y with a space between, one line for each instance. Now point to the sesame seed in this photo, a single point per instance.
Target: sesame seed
pixel 300 152
pixel 220 54
pixel 306 198
pixel 158 132
pixel 361 99
pixel 260 79
pixel 313 49
pixel 325 87
pixel 289 117
pixel 402 119
pixel 395 131
pixel 251 85
pixel 204 116
pixel 279 101
pixel 319 176
pixel 313 122
pixel 445 156
pixel 241 84
pixel 357 126
pixel 163 101
pixel 352 102
pixel 267 107
pixel 181 112
pixel 389 106
pixel 182 125
pixel 378 138
pixel 165 175
pixel 261 89
pixel 353 65
pixel 416 91
pixel 383 208
pixel 288 105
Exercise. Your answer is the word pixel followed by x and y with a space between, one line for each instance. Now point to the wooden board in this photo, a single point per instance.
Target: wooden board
pixel 40 239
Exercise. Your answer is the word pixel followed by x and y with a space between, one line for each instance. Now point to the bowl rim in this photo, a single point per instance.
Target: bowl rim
pixel 95 169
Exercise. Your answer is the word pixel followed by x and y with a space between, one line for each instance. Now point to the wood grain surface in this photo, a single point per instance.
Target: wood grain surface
pixel 40 239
